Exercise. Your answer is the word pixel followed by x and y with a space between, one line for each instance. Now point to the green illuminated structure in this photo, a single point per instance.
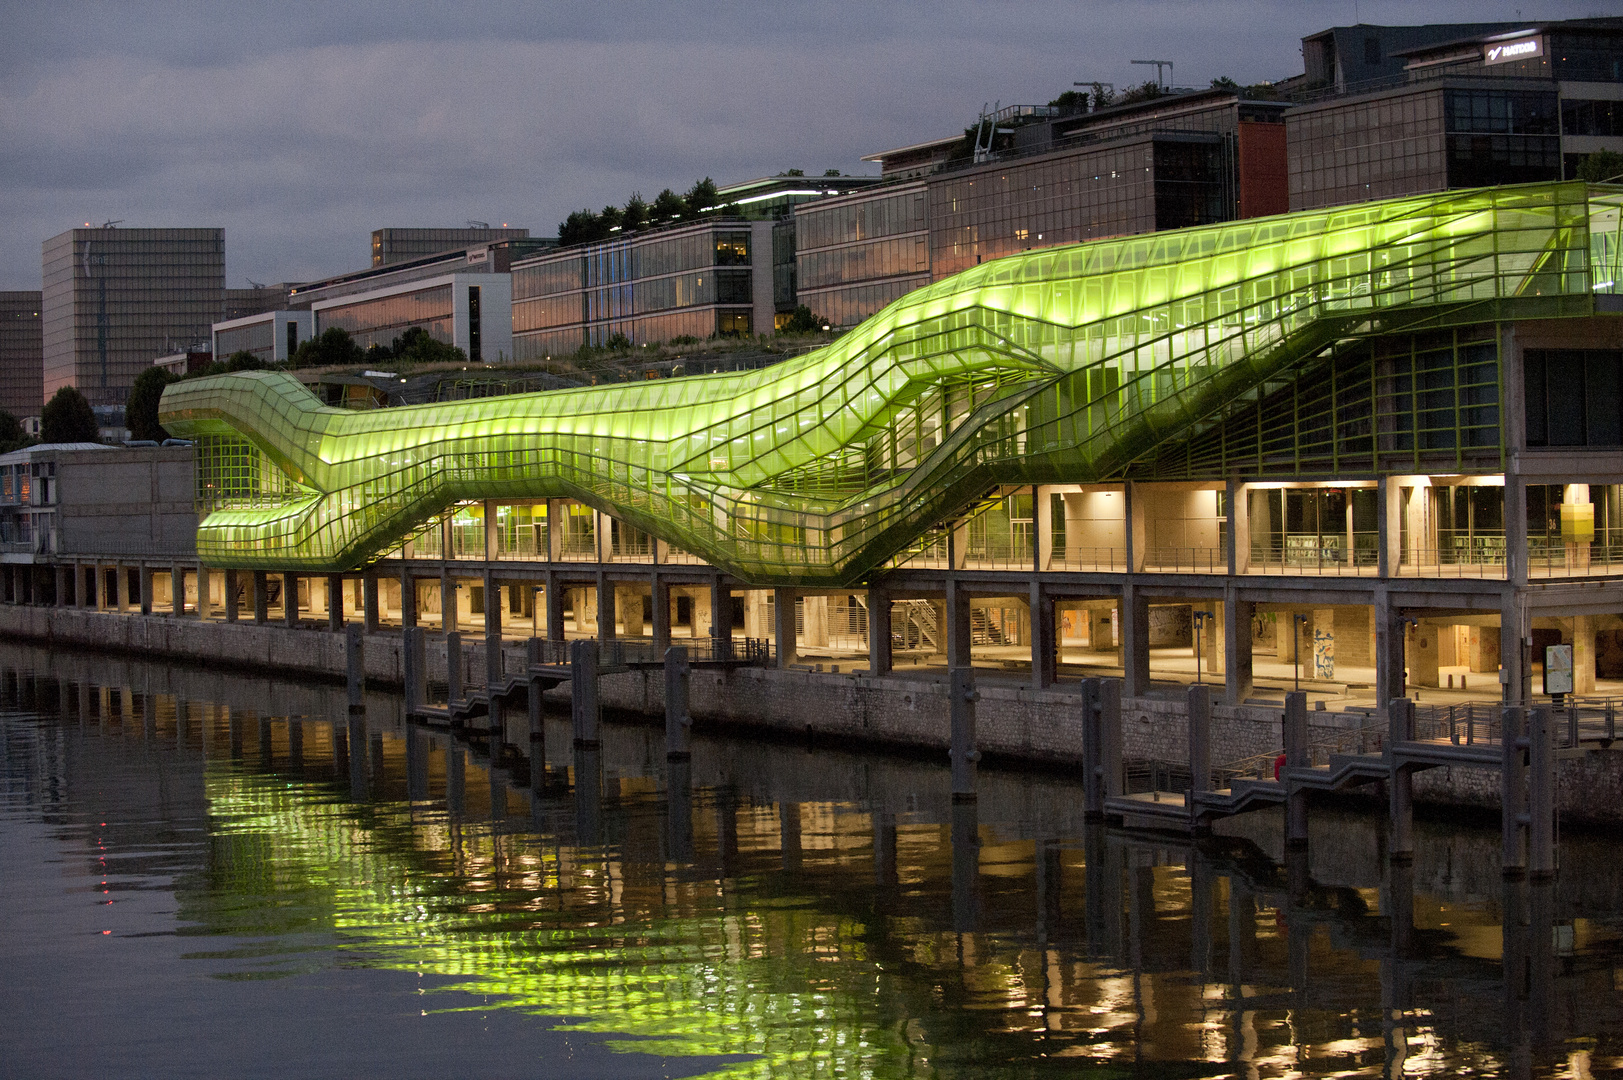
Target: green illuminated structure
pixel 1065 365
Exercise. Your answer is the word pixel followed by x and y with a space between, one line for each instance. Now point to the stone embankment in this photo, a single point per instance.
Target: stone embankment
pixel 1015 724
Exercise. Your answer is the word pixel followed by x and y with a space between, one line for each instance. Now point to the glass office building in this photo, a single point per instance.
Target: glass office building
pixel 21 359
pixel 390 246
pixel 272 336
pixel 114 299
pixel 855 254
pixel 1497 108
pixel 713 278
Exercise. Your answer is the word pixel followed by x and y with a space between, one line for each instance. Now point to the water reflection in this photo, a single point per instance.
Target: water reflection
pixel 829 913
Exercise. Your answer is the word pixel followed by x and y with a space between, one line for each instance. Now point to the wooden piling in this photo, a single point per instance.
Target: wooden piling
pixel 1093 777
pixel 962 697
pixel 538 736
pixel 583 707
pixel 1400 782
pixel 453 668
pixel 1294 730
pixel 412 668
pixel 1513 790
pixel 355 667
pixel 1541 794
pixel 678 723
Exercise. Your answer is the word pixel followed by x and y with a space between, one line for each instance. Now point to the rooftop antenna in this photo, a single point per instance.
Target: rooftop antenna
pixel 252 284
pixel 478 224
pixel 1159 65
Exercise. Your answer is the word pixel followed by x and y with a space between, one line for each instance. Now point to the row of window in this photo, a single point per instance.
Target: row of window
pixel 861 262
pixel 631 260
pixel 866 220
pixel 1603 119
pixel 1505 112
pixel 850 304
pixel 699 323
pixel 377 321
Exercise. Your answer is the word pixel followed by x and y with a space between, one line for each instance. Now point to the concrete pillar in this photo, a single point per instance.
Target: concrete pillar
pixel 1583 655
pixel 783 626
pixel 956 620
pixel 1043 633
pixel 454 660
pixel 448 605
pixel 1237 498
pixel 815 610
pixel 606 630
pixel 721 611
pixel 177 590
pixel 144 576
pixel 1512 790
pixel 1389 649
pixel 1388 527
pixel 660 595
pixel 1237 654
pixel 62 586
pixel 1042 505
pixel 554 596
pixel 1135 530
pixel 335 602
pixel 408 598
pixel 205 593
pixel 1093 792
pixel 290 599
pixel 1541 793
pixel 532 699
pixel 879 644
pixel 628 601
pixel 261 598
pixel 369 600
pixel 1135 641
pixel 413 668
pixel 1515 643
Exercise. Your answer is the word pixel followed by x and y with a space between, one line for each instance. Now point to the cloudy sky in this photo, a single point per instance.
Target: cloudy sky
pixel 301 126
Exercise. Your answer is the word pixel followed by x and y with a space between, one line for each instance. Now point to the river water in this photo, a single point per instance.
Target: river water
pixel 210 875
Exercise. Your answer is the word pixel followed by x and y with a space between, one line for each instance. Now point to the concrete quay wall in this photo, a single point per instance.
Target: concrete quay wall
pixel 1016 724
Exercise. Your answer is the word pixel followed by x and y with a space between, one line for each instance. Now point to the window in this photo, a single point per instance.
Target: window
pixel 1572 397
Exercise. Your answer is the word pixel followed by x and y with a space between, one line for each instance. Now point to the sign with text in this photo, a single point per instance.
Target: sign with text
pixel 1505 52
pixel 1558 669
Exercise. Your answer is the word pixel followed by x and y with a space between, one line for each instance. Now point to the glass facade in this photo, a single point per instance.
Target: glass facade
pixel 695 282
pixel 855 255
pixel 402 245
pixel 22 385
pixel 258 338
pixel 114 299
pixel 1157 181
pixel 379 321
pixel 1376 148
pixel 1501 136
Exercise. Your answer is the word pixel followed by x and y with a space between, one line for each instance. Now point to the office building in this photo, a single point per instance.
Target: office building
pixel 697 280
pixel 22 390
pixel 1185 158
pixel 391 246
pixel 116 298
pixel 271 336
pixel 1505 104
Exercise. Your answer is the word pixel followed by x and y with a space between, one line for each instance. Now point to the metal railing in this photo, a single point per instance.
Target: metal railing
pixel 1187 560
pixel 1367 737
pixel 1089 558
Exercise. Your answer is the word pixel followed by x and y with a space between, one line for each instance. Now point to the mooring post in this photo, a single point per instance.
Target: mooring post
pixel 355 667
pixel 583 708
pixel 538 736
pixel 962 697
pixel 1200 746
pixel 1400 781
pixel 453 669
pixel 1093 777
pixel 1513 790
pixel 678 723
pixel 1541 794
pixel 1296 757
pixel 411 668
pixel 1110 691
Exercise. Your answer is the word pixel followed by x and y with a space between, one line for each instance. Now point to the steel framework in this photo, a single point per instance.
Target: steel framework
pixel 1060 365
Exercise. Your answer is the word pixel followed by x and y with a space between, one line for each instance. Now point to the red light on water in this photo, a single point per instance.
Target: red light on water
pixel 106 931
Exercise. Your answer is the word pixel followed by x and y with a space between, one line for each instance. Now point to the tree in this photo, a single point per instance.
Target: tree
pixel 12 435
pixel 668 206
pixel 701 197
pixel 1601 166
pixel 831 172
pixel 636 213
pixel 1070 102
pixel 1102 97
pixel 418 346
pixel 802 321
pixel 141 407
pixel 581 227
pixel 68 418
pixel 333 347
pixel 793 172
pixel 1147 91
pixel 612 218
